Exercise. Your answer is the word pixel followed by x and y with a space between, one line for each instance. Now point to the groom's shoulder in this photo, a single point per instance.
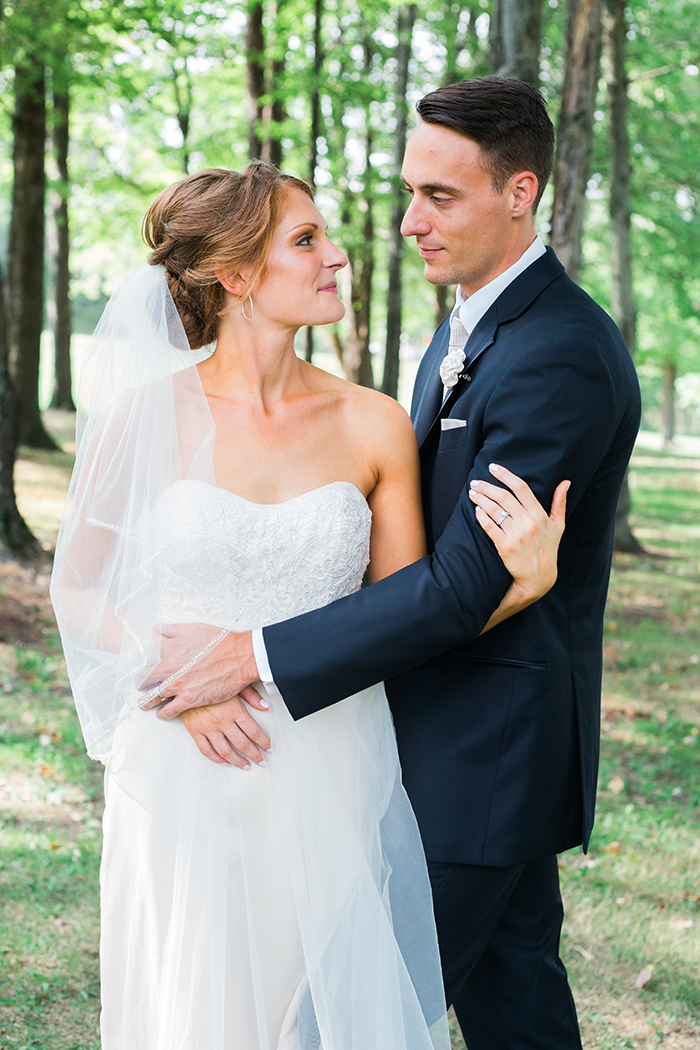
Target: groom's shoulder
pixel 564 310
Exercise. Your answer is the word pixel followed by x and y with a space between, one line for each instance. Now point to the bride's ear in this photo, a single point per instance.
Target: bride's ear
pixel 235 283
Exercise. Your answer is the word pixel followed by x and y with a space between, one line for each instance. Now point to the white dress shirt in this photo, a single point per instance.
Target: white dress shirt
pixel 471 309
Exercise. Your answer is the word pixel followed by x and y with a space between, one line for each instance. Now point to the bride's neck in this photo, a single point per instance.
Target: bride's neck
pixel 255 362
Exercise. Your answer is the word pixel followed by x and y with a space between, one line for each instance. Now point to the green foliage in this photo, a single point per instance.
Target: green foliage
pixel 664 101
pixel 159 87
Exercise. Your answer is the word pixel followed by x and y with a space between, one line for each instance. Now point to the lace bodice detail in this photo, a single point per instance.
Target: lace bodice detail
pixel 242 565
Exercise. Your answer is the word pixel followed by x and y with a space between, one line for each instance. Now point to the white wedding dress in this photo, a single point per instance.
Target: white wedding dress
pixel 285 908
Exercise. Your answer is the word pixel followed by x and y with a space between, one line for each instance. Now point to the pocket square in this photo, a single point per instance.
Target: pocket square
pixel 452 424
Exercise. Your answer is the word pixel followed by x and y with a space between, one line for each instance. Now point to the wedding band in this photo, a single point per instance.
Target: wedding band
pixel 160 695
pixel 503 517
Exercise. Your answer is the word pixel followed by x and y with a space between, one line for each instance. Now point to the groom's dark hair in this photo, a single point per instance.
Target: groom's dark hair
pixel 507 118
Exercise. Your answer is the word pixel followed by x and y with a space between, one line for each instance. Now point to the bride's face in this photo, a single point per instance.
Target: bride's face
pixel 300 286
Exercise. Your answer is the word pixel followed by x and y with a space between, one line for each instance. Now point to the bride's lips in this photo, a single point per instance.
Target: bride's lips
pixel 332 287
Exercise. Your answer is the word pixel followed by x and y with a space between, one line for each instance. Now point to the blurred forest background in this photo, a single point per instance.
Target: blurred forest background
pixel 105 103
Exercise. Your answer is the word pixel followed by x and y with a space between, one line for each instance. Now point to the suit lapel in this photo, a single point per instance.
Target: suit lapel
pixel 511 303
pixel 427 396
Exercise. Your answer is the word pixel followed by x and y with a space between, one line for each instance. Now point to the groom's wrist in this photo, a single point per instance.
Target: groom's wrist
pixel 260 657
pixel 241 655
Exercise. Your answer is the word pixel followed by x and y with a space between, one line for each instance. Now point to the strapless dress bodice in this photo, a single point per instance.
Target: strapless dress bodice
pixel 237 564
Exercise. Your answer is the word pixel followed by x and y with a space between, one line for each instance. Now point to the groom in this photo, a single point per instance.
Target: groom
pixel 498 734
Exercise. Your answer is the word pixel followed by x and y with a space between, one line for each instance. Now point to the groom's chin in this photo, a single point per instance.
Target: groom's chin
pixel 433 276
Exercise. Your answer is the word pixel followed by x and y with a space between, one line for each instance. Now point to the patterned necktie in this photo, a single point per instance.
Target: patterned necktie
pixel 453 361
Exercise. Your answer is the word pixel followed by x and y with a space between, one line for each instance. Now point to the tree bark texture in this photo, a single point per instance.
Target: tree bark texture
pixel 572 164
pixel 668 408
pixel 15 536
pixel 390 384
pixel 27 249
pixel 515 39
pixel 274 112
pixel 444 298
pixel 62 391
pixel 309 343
pixel 315 97
pixel 255 75
pixel 182 90
pixel 623 305
pixel 625 541
pixel 315 126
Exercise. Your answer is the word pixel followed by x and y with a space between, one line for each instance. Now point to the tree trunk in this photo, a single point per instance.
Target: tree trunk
pixel 668 408
pixel 274 112
pixel 443 302
pixel 390 384
pixel 315 125
pixel 309 343
pixel 575 132
pixel 358 358
pixel 15 536
pixel 625 540
pixel 27 249
pixel 62 391
pixel 182 89
pixel 255 75
pixel 623 306
pixel 515 39
pixel 315 99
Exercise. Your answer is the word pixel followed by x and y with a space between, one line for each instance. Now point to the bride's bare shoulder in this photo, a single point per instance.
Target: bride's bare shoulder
pixel 369 411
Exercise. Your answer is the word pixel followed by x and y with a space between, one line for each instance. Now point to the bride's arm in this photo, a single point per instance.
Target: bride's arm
pixel 525 536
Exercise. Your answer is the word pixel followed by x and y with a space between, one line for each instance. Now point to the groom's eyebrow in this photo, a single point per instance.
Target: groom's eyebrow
pixel 434 187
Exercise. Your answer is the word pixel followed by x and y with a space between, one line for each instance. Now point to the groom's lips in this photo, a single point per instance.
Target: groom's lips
pixel 427 253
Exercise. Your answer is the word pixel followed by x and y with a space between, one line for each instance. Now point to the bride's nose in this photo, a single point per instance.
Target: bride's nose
pixel 335 258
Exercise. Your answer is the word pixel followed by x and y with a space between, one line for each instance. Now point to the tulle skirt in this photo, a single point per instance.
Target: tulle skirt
pixel 285 908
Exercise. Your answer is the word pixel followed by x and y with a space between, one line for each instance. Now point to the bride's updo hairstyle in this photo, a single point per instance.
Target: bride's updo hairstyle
pixel 216 220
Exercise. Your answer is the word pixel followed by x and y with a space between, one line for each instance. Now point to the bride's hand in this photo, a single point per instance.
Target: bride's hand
pixel 525 536
pixel 224 733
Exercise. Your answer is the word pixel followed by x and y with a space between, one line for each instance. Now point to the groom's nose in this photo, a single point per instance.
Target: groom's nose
pixel 415 224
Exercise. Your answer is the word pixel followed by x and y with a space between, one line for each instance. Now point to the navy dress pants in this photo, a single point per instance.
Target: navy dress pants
pixel 499 932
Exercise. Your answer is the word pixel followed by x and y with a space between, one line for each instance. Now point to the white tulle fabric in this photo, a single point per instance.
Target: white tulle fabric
pixel 286 908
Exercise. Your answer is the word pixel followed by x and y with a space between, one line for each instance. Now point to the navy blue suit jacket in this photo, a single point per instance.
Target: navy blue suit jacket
pixel 498 735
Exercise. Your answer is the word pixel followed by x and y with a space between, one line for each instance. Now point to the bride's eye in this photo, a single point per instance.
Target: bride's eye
pixel 306 239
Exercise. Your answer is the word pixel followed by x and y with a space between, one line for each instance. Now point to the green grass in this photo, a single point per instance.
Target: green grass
pixel 632 904
pixel 50 805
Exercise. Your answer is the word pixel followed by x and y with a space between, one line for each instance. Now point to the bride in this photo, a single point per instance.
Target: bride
pixel 287 908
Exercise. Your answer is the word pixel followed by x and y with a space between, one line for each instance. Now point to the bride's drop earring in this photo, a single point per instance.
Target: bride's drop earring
pixel 251 309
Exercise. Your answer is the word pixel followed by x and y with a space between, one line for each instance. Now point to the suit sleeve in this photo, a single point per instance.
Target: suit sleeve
pixel 551 416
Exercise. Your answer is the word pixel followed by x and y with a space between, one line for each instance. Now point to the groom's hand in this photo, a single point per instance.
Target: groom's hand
pixel 225 670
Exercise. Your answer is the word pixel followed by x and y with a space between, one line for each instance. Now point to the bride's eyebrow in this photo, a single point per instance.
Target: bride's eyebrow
pixel 306 226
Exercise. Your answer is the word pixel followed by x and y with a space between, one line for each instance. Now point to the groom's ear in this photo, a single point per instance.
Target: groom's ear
pixel 523 192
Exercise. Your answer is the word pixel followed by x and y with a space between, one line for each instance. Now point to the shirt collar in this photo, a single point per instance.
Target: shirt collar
pixel 472 308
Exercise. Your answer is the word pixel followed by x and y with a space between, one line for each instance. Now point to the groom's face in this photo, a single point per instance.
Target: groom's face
pixel 462 225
